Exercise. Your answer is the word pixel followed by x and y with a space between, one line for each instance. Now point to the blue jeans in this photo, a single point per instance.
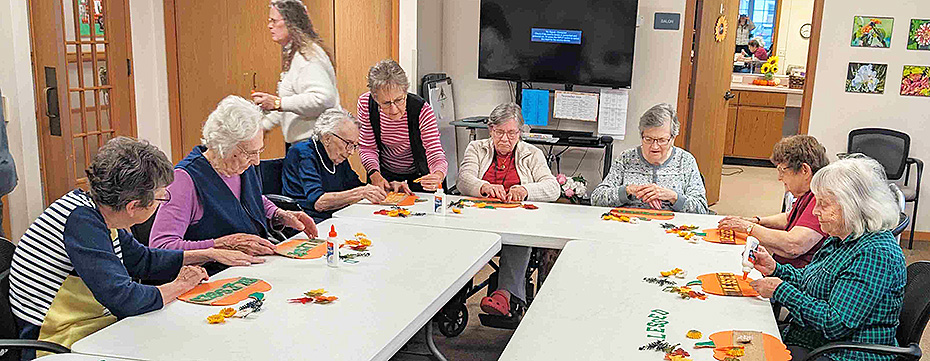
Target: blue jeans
pixel 27 331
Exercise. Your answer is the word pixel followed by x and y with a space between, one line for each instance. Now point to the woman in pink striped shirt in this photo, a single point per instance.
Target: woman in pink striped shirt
pixel 399 136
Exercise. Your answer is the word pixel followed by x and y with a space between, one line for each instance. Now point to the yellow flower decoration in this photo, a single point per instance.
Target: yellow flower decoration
pixel 228 312
pixel 693 334
pixel 774 68
pixel 773 60
pixel 217 318
pixel 315 293
pixel 766 68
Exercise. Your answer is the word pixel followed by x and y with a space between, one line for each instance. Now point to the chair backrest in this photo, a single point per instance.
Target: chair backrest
pixel 898 196
pixel 270 172
pixel 903 221
pixel 888 147
pixel 916 308
pixel 142 232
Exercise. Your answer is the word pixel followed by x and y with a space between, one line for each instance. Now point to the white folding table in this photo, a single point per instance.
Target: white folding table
pixel 383 301
pixel 596 306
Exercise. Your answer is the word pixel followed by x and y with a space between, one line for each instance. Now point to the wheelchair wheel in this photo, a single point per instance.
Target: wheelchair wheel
pixel 452 320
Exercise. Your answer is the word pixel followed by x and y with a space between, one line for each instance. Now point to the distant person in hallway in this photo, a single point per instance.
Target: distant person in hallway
pixel 217 199
pixel 756 50
pixel 316 172
pixel 505 168
pixel 399 133
pixel 853 289
pixel 744 27
pixel 792 237
pixel 308 80
pixel 657 174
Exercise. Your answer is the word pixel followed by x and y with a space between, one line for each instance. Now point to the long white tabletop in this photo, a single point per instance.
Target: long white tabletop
pixel 550 226
pixel 383 301
pixel 79 357
pixel 595 305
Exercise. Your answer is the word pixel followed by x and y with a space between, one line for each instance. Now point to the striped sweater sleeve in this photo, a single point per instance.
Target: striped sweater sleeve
pixel 367 148
pixel 429 133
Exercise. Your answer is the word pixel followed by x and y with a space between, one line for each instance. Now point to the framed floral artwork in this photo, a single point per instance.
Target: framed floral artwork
pixel 918 38
pixel 872 32
pixel 915 81
pixel 866 78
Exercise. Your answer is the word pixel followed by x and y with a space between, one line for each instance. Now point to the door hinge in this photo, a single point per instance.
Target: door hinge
pixel 128 67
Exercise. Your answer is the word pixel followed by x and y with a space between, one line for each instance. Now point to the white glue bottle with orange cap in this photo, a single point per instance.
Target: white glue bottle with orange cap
pixel 332 248
pixel 749 256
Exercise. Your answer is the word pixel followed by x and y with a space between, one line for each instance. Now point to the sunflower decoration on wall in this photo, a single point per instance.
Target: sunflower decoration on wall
pixel 720 30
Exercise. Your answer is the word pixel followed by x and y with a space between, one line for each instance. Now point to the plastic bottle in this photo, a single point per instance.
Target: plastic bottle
pixel 749 256
pixel 439 202
pixel 332 248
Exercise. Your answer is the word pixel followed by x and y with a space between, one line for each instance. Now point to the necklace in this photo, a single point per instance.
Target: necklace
pixel 318 154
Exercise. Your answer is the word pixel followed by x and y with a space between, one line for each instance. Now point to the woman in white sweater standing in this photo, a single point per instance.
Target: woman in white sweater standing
pixel 503 167
pixel 308 80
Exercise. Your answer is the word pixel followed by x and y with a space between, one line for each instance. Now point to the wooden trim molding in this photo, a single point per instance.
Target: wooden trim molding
pixel 813 51
pixel 174 90
pixel 684 74
pixel 395 30
pixel 918 236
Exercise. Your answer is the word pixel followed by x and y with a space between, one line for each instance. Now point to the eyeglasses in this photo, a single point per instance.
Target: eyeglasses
pixel 166 199
pixel 399 102
pixel 351 147
pixel 660 141
pixel 253 154
pixel 781 169
pixel 274 21
pixel 510 133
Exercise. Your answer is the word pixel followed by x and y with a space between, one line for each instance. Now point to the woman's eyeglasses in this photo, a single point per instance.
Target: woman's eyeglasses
pixel 166 199
pixel 253 154
pixel 660 141
pixel 351 147
pixel 510 133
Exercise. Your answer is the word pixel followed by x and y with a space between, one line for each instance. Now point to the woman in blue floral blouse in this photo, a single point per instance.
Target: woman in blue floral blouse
pixel 854 287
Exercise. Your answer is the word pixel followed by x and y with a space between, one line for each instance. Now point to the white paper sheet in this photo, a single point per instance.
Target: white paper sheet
pixel 575 105
pixel 440 98
pixel 612 112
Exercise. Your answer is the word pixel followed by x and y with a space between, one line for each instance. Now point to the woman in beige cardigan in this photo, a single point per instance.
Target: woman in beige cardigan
pixel 503 167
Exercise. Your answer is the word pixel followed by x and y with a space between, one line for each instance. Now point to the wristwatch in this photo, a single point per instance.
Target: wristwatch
pixel 277 103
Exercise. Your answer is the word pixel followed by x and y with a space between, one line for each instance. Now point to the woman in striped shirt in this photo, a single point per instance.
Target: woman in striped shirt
pixel 399 135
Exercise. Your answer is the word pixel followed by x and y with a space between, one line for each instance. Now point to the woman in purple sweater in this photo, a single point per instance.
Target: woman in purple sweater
pixel 216 196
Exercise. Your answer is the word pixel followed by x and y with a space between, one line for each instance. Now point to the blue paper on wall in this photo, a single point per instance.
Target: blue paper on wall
pixel 535 107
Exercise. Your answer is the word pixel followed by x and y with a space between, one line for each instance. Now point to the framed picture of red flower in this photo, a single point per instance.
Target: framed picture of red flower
pixel 915 81
pixel 918 37
pixel 872 32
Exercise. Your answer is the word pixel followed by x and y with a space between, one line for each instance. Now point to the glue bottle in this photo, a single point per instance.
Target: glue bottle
pixel 439 202
pixel 332 248
pixel 749 256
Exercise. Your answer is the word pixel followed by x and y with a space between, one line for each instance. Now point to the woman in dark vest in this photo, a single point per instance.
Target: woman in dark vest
pixel 216 196
pixel 794 236
pixel 399 134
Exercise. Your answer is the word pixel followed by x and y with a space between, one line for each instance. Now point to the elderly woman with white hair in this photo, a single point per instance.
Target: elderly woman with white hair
pixel 505 168
pixel 853 289
pixel 399 133
pixel 317 175
pixel 657 174
pixel 216 197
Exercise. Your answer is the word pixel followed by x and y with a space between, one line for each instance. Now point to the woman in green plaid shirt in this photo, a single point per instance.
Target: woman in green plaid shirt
pixel 853 288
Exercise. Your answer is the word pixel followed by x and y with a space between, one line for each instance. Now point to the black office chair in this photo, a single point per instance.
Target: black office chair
pixel 270 172
pixel 10 344
pixel 143 231
pixel 914 314
pixel 891 148
pixel 903 221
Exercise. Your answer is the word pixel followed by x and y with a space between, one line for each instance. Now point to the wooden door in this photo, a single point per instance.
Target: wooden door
pixel 82 70
pixel 713 63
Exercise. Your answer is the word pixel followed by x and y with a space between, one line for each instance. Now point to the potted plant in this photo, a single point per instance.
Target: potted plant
pixel 575 188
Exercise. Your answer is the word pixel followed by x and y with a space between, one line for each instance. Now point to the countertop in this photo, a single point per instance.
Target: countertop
pixel 760 88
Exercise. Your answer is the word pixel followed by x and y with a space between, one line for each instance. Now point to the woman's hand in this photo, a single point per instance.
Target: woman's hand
pixel 299 221
pixel 653 192
pixel 233 258
pixel 734 223
pixel 372 193
pixel 190 276
pixel 264 100
pixel 517 193
pixel 400 187
pixel 766 287
pixel 432 181
pixel 378 180
pixel 764 261
pixel 248 243
pixel 495 191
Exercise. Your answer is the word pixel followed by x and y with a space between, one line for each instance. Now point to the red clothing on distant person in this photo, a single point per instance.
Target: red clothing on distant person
pixel 761 53
pixel 502 171
pixel 802 214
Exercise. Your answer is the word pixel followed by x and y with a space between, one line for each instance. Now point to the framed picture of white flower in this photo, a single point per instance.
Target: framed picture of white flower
pixel 866 78
pixel 919 35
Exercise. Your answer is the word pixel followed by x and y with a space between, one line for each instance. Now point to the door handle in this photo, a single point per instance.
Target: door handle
pixel 51 101
pixel 729 95
pixel 254 86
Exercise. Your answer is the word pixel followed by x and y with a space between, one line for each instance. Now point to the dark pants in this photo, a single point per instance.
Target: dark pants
pixel 800 353
pixel 27 331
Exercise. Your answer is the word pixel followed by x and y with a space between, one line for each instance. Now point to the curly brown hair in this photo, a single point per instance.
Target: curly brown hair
pixel 796 150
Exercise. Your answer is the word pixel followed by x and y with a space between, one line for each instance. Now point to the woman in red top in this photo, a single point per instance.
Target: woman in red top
pixel 794 236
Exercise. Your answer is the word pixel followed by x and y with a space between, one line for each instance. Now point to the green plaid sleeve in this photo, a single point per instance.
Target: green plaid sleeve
pixel 787 273
pixel 855 293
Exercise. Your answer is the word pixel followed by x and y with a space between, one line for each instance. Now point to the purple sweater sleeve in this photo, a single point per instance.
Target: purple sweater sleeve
pixel 176 215
pixel 270 208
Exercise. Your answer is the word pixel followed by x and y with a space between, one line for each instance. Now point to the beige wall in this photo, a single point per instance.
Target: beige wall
pixel 834 112
pixel 792 48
